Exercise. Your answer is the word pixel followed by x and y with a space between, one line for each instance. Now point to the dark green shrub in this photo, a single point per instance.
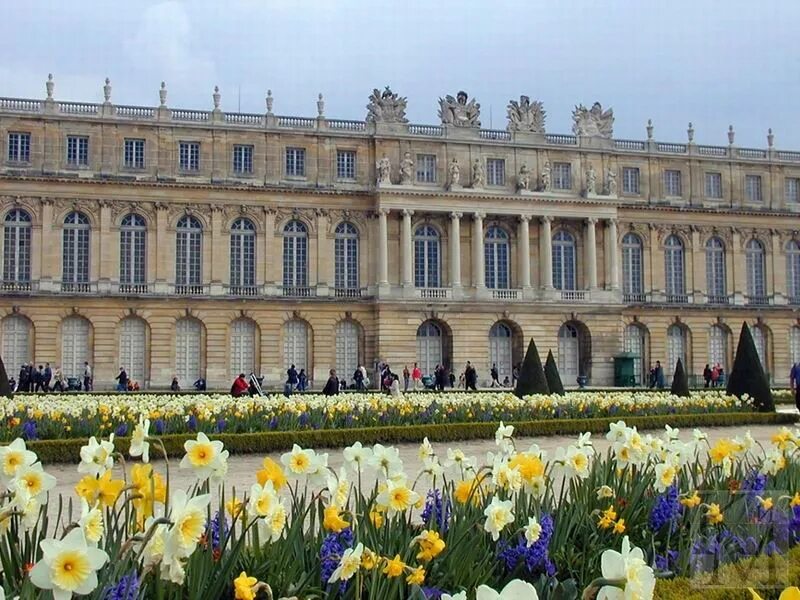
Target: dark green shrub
pixel 680 381
pixel 552 375
pixel 747 375
pixel 531 375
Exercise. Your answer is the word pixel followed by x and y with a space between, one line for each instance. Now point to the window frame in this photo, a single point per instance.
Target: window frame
pixel 425 169
pixel 242 159
pixel 496 172
pixel 753 188
pixel 294 162
pixel 346 257
pixel 346 164
pixel 17 247
pixel 560 172
pixel 242 254
pixel 669 178
pixel 135 246
pixel 192 164
pixel 132 158
pixel 427 267
pixel 627 182
pixel 712 185
pixel 21 147
pixel 497 258
pixel 795 197
pixel 77 157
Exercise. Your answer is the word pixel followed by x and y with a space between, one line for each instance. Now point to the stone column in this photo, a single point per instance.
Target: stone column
pixel 738 271
pixel 44 266
pixel 163 250
pixel 383 248
pixel 270 259
pixel 524 250
pixel 455 249
pixel 546 252
pixel 325 259
pixel 107 254
pixel 407 251
pixel 779 285
pixel 216 252
pixel 612 255
pixel 478 269
pixel 590 254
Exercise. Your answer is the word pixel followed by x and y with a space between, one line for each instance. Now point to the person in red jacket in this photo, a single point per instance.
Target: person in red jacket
pixel 240 386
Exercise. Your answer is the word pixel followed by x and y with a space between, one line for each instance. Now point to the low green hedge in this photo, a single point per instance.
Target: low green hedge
pixel 68 450
pixel 768 575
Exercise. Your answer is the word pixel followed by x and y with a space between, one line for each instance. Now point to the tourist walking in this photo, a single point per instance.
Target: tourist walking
pixel 175 386
pixel 302 380
pixel 495 376
pixel 58 380
pixel 406 378
pixel 707 375
pixel 515 374
pixel 200 384
pixel 88 384
pixel 48 376
pixel 794 382
pixel 22 383
pixel 659 375
pixel 38 379
pixel 291 377
pixel 470 377
pixel 122 380
pixel 332 385
pixel 358 378
pixel 416 376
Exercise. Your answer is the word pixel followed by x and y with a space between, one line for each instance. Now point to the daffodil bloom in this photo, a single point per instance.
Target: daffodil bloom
pixel 356 456
pixel 397 497
pixel 97 457
pixel 514 590
pixel 416 577
pixel 234 507
pixel 33 481
pixel 91 522
pixel 333 520
pixel 629 567
pixel 349 564
pixel 498 514
pixel 665 476
pixel 790 593
pixel 766 503
pixel 691 501
pixel 68 566
pixel 271 471
pixel 430 544
pixel 619 527
pixel 188 516
pixel 714 514
pixel 376 517
pixel 369 560
pixel 533 531
pixel 202 456
pixel 393 567
pixel 604 491
pixel 14 457
pixel 244 587
pixel 139 444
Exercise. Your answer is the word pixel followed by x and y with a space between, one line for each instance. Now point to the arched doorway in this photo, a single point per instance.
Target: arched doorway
pixel 505 348
pixel 574 352
pixel 133 348
pixel 634 340
pixel 434 346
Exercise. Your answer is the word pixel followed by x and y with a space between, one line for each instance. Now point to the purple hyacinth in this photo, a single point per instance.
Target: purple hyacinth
pixel 191 423
pixel 273 423
pixel 666 510
pixel 534 559
pixel 218 530
pixel 121 430
pixel 333 546
pixel 159 426
pixel 432 593
pixel 436 512
pixel 29 431
pixel 221 424
pixel 127 588
pixel 666 561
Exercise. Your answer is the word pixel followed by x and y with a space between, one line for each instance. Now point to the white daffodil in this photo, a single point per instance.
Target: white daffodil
pixel 425 449
pixel 665 475
pixel 431 467
pixel 13 457
pixel 97 457
pixel 349 564
pixel 202 456
pixel 188 516
pixel 498 514
pixel 139 444
pixel 617 432
pixel 671 434
pixel 262 499
pixel 584 440
pixel 699 436
pixel 299 461
pixel 220 468
pixel 514 590
pixel 503 437
pixel 338 488
pixel 68 566
pixel 33 481
pixel 357 456
pixel 397 497
pixel 91 522
pixel 628 567
pixel 533 531
pixel 386 460
pixel 270 527
pixel 604 492
pixel 154 550
pixel 458 596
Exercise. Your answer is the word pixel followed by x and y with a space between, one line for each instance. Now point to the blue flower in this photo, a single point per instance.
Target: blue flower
pixel 534 559
pixel 218 530
pixel 127 588
pixel 436 511
pixel 159 426
pixel 191 423
pixel 666 510
pixel 221 423
pixel 29 431
pixel 333 546
pixel 121 430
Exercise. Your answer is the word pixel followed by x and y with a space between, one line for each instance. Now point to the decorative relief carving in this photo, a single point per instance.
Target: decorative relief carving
pixel 458 111
pixel 526 115
pixel 593 122
pixel 386 107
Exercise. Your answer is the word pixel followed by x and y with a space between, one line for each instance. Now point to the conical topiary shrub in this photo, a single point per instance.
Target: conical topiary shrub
pixel 680 381
pixel 552 376
pixel 747 375
pixel 5 388
pixel 531 375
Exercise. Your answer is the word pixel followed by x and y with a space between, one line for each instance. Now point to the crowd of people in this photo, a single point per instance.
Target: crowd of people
pixel 48 379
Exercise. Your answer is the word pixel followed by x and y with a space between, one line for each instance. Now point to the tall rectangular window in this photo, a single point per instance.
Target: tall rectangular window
pixel 189 156
pixel 242 159
pixel 296 162
pixel 672 183
pixel 562 176
pixel 426 168
pixel 77 151
pixel 345 164
pixel 713 185
pixel 134 154
pixel 630 180
pixel 752 188
pixel 495 171
pixel 19 147
pixel 791 190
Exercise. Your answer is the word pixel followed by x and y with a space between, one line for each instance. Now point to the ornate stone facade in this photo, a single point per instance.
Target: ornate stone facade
pixel 190 242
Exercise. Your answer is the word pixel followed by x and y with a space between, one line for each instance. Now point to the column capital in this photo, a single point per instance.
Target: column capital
pixel 591 221
pixel 524 218
pixel 613 222
pixel 546 219
pixel 479 216
pixel 382 212
pixel 456 215
pixel 407 212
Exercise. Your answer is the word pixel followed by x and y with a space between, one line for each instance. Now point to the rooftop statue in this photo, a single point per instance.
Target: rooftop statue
pixel 458 112
pixel 593 122
pixel 386 107
pixel 526 115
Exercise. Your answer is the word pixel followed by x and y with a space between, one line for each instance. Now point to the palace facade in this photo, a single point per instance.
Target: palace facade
pixel 206 243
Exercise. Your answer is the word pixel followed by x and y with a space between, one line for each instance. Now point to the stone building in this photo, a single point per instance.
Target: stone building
pixel 190 242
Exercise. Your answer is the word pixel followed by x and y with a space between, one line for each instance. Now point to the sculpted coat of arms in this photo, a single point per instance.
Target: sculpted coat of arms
pixel 593 122
pixel 458 111
pixel 386 107
pixel 526 115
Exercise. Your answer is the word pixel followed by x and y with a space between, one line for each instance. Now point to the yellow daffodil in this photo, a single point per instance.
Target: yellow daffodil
pixel 393 567
pixel 271 471
pixel 243 587
pixel 333 520
pixel 416 577
pixel 68 566
pixel 431 545
pixel 714 514
pixel 691 501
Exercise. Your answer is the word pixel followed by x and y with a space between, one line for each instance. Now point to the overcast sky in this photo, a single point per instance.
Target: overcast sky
pixel 714 63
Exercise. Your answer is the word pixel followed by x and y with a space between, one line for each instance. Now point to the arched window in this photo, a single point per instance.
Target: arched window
pixel 17 247
pixel 188 254
pixel 132 253
pixel 632 274
pixel 718 347
pixel 75 349
pixel 760 339
pixel 501 346
pixel 756 278
pixel 132 348
pixel 569 353
pixel 674 282
pixel 295 256
pixel 188 339
pixel 676 349
pixel 793 271
pixel 634 340
pixel 429 347
pixel 495 251
pixel 716 286
pixel 347 348
pixel 563 261
pixel 794 344
pixel 16 346
pixel 295 344
pixel 243 347
pixel 243 256
pixel 76 249
pixel 426 257
pixel 346 257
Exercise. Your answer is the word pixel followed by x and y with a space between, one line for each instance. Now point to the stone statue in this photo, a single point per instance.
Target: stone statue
pixel 458 112
pixel 524 178
pixel 455 173
pixel 386 107
pixel 478 174
pixel 591 181
pixel 384 170
pixel 611 182
pixel 593 122
pixel 525 115
pixel 406 170
pixel 546 180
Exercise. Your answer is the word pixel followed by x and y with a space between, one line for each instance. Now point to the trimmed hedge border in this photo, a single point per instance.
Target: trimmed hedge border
pixel 68 451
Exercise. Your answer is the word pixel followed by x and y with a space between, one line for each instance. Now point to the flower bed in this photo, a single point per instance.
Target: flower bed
pixel 79 416
pixel 516 520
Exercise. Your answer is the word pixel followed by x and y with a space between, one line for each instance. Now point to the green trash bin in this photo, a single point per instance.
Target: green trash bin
pixel 624 373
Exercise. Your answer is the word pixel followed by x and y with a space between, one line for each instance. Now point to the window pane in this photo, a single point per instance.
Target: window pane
pixel 630 180
pixel 495 171
pixel 713 185
pixel 17 247
pixel 346 164
pixel 426 168
pixel 347 345
pixel 132 345
pixel 296 162
pixel 753 188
